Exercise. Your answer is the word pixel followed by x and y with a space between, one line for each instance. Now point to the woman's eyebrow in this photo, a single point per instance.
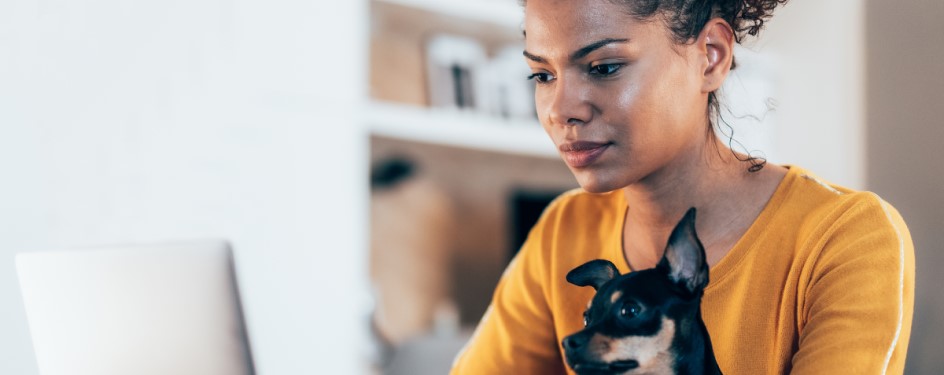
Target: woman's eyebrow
pixel 583 52
pixel 580 53
pixel 534 58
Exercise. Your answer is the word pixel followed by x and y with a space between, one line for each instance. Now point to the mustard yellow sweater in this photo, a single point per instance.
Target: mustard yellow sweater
pixel 821 283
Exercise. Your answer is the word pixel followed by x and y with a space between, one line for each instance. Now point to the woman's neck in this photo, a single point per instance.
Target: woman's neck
pixel 714 181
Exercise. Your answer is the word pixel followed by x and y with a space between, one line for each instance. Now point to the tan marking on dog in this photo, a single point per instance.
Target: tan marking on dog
pixel 651 352
pixel 615 296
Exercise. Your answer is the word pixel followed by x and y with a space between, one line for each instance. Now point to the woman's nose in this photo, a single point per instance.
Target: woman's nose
pixel 569 105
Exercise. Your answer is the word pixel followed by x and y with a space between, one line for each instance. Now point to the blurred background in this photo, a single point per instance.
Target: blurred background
pixel 376 163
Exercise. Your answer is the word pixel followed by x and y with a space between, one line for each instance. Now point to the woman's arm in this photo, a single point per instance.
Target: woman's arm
pixel 516 334
pixel 857 310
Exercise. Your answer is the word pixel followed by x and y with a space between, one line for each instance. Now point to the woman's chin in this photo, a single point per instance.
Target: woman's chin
pixel 594 183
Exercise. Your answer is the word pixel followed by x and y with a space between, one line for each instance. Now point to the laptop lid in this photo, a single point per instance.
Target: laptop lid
pixel 143 309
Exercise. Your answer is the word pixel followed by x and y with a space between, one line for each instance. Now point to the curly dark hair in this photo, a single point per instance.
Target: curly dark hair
pixel 687 18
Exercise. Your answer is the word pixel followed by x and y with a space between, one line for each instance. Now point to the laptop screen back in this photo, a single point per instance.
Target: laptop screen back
pixel 153 309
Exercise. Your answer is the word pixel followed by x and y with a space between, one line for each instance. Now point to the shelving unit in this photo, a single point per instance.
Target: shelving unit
pixel 460 129
pixel 396 110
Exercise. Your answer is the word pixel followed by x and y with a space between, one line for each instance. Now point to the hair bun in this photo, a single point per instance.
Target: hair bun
pixel 746 16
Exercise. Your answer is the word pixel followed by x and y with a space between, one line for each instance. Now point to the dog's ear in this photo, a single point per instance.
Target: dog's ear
pixel 594 273
pixel 684 259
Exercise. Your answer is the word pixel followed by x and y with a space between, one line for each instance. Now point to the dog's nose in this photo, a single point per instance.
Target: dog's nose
pixel 574 342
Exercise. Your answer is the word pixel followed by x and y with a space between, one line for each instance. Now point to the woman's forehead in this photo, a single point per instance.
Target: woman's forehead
pixel 563 26
pixel 576 16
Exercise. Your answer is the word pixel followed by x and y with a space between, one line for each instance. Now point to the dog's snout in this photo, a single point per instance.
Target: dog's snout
pixel 574 342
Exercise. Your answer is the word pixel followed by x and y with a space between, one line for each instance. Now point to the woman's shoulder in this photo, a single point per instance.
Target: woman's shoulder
pixel 829 214
pixel 817 197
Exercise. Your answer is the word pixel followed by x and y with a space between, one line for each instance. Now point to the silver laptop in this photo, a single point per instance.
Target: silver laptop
pixel 144 309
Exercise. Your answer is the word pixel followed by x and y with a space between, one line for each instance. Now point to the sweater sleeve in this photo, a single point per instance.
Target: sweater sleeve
pixel 516 334
pixel 856 316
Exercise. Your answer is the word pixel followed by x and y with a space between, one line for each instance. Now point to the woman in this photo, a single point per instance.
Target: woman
pixel 806 277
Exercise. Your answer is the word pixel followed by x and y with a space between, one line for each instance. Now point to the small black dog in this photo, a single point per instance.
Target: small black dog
pixel 649 321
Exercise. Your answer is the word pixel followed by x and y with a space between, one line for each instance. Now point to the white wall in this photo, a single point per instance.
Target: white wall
pixel 172 119
pixel 813 52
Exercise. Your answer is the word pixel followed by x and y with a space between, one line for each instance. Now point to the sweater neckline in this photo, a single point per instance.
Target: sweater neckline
pixel 738 252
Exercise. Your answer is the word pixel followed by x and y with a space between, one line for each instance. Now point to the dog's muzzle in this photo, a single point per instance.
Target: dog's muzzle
pixel 575 350
pixel 617 367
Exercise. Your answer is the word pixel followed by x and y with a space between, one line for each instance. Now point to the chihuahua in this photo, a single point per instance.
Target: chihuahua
pixel 648 321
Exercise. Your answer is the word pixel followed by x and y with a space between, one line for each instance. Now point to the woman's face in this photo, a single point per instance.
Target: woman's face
pixel 618 97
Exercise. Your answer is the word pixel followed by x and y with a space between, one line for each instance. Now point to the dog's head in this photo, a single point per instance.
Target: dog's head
pixel 636 322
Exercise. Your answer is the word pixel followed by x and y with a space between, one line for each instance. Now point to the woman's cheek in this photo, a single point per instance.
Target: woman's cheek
pixel 627 96
pixel 629 101
pixel 542 102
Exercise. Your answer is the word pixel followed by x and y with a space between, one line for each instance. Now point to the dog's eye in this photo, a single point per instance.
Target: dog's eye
pixel 630 310
pixel 586 320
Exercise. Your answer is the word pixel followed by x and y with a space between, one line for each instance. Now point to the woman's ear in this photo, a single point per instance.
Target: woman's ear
pixel 717 44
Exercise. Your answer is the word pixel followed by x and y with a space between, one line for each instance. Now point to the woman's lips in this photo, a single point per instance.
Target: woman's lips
pixel 582 154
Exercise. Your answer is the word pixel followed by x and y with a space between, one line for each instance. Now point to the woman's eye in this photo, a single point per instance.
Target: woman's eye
pixel 630 311
pixel 541 77
pixel 605 69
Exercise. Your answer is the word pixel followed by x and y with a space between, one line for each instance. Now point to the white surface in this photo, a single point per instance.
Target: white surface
pixel 157 309
pixel 142 121
pixel 460 129
pixel 749 98
pixel 820 85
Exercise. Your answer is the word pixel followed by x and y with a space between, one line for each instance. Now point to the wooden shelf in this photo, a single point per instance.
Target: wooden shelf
pixel 459 129
pixel 505 13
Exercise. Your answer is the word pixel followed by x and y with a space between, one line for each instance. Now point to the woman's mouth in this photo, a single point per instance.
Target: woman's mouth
pixel 582 154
